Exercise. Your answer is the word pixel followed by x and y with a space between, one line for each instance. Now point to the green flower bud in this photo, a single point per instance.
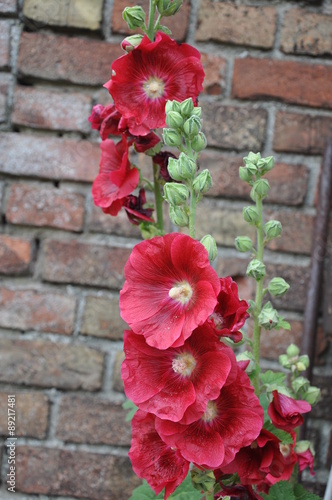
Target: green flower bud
pixel 300 384
pixel 172 137
pixel 172 106
pixel 272 229
pixel 134 17
pixel 302 446
pixel 187 107
pixel 168 7
pixel 278 287
pixel 250 215
pixel 199 142
pixel 303 363
pixel 292 351
pixel 174 119
pixel 265 164
pixel 268 317
pixel 260 188
pixel 251 168
pixel 202 183
pixel 284 361
pixel 182 169
pixel 243 243
pixel 256 269
pixel 131 42
pixel 210 244
pixel 192 126
pixel 197 111
pixel 252 158
pixel 175 194
pixel 178 216
pixel 244 174
pixel 312 395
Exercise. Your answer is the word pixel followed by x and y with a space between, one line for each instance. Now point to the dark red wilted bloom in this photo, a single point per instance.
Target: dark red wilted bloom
pixel 152 460
pixel 238 492
pixel 154 72
pixel 306 459
pixel 116 178
pixel 167 382
pixel 144 142
pixel 230 313
pixel 170 289
pixel 161 159
pixel 285 412
pixel 134 207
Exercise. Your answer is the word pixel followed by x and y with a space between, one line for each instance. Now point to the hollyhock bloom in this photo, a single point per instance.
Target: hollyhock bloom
pixel 285 412
pixel 170 289
pixel 106 120
pixel 152 459
pixel 230 313
pixel 161 159
pixel 154 72
pixel 144 142
pixel 134 207
pixel 306 459
pixel 116 178
pixel 229 423
pixel 167 382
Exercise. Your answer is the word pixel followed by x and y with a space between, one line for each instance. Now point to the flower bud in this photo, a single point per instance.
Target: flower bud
pixel 312 395
pixel 178 216
pixel 268 317
pixel 251 168
pixel 197 111
pixel 303 363
pixel 182 169
pixel 199 142
pixel 243 243
pixel 265 164
pixel 192 126
pixel 202 183
pixel 302 446
pixel 175 194
pixel 134 16
pixel 210 244
pixel 172 137
pixel 256 269
pixel 284 361
pixel 168 7
pixel 272 229
pixel 244 174
pixel 250 215
pixel 260 188
pixel 300 384
pixel 187 107
pixel 131 42
pixel 252 158
pixel 172 106
pixel 174 119
pixel 292 351
pixel 278 287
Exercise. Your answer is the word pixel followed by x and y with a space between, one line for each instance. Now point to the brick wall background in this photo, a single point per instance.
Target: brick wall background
pixel 268 87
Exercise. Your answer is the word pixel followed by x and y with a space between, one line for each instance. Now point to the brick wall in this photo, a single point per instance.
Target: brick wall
pixel 268 87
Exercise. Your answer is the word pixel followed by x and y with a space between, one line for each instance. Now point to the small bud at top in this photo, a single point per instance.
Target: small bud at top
pixel 272 229
pixel 252 158
pixel 268 317
pixel 187 107
pixel 174 119
pixel 292 351
pixel 278 287
pixel 265 164
pixel 134 16
pixel 243 243
pixel 131 42
pixel 210 244
pixel 175 194
pixel 256 269
pixel 168 7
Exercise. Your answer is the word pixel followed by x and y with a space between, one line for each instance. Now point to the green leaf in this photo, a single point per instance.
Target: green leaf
pixel 280 491
pixel 129 405
pixel 284 436
pixel 183 492
pixel 166 30
pixel 303 494
pixel 283 324
pixel 272 378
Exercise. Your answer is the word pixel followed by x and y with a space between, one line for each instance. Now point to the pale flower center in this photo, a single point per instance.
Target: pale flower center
pixel 218 320
pixel 284 449
pixel 181 292
pixel 154 87
pixel 211 412
pixel 184 364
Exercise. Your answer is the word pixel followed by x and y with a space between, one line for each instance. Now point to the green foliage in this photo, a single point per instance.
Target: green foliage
pixel 284 491
pixel 284 436
pixel 129 405
pixel 185 491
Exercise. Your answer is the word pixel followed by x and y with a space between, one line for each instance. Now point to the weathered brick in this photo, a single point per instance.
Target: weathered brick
pixel 69 59
pixel 101 318
pixel 37 310
pixel 288 182
pixel 4 88
pixel 305 32
pixel 48 157
pixel 177 24
pixel 323 408
pixel 117 380
pixel 230 127
pixel 87 419
pixel 8 6
pixel 72 13
pixel 267 78
pixel 215 73
pixel 15 254
pixel 47 364
pixel 84 263
pixel 51 109
pixel 4 43
pixel 100 222
pixel 78 474
pixel 32 409
pixel 297 231
pixel 236 24
pixel 300 133
pixel 41 206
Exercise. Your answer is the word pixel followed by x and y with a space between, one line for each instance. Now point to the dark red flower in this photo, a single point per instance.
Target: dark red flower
pixel 161 159
pixel 144 142
pixel 230 313
pixel 167 382
pixel 134 207
pixel 152 73
pixel 116 178
pixel 285 412
pixel 170 289
pixel 152 460
pixel 238 492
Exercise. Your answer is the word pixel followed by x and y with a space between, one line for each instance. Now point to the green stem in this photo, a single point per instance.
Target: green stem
pixel 158 198
pixel 192 215
pixel 151 31
pixel 156 26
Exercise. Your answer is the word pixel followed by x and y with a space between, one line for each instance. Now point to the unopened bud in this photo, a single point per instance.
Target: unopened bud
pixel 197 111
pixel 272 229
pixel 178 216
pixel 265 164
pixel 175 194
pixel 292 351
pixel 182 169
pixel 210 244
pixel 172 137
pixel 134 16
pixel 260 188
pixel 251 167
pixel 202 183
pixel 243 243
pixel 300 384
pixel 192 126
pixel 172 106
pixel 312 395
pixel 174 119
pixel 187 107
pixel 250 215
pixel 168 7
pixel 199 142
pixel 252 158
pixel 268 317
pixel 131 42
pixel 256 269
pixel 244 174
pixel 302 446
pixel 278 287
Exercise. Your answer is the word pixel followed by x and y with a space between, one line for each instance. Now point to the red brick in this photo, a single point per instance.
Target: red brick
pixel 47 364
pixel 230 127
pixel 40 206
pixel 8 6
pixel 87 419
pixel 267 78
pixel 215 74
pixel 27 309
pixel 117 380
pixel 32 411
pixel 288 182
pixel 236 24
pixel 4 43
pixel 51 109
pixel 15 255
pixel 297 231
pixel 101 318
pixel 5 80
pixel 305 32
pixel 100 222
pixel 48 157
pixel 79 474
pixel 300 133
pixel 323 408
pixel 69 59
pixel 84 263
pixel 177 24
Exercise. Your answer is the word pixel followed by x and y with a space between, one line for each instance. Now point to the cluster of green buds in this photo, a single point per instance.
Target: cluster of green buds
pixel 135 16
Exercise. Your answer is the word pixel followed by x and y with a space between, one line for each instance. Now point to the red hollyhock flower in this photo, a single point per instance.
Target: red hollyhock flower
pixel 134 206
pixel 144 142
pixel 230 313
pixel 109 121
pixel 167 382
pixel 152 459
pixel 306 459
pixel 170 289
pixel 285 412
pixel 229 423
pixel 116 178
pixel 152 73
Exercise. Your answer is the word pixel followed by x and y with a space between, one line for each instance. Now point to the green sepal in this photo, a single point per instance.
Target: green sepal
pixel 132 409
